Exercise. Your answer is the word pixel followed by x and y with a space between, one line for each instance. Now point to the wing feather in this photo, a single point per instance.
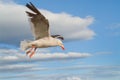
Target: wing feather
pixel 40 25
pixel 58 36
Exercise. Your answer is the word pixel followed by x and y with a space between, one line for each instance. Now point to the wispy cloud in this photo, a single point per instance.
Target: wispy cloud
pixel 114 26
pixel 93 72
pixel 14 56
pixel 114 29
pixel 19 68
pixel 14 21
pixel 71 78
pixel 14 61
pixel 103 53
pixel 8 56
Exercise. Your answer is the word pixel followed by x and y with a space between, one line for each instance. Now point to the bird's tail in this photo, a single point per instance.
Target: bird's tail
pixel 24 45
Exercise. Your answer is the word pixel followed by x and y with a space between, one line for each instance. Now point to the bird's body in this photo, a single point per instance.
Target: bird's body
pixel 45 42
pixel 42 43
pixel 41 32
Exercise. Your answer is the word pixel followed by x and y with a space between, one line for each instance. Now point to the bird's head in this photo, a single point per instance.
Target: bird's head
pixel 60 44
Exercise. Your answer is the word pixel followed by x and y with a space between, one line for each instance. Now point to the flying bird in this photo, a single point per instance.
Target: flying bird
pixel 41 32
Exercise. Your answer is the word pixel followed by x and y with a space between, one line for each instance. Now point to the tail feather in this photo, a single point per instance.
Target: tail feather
pixel 24 45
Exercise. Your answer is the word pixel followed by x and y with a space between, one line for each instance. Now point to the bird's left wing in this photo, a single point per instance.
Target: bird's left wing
pixel 58 36
pixel 40 25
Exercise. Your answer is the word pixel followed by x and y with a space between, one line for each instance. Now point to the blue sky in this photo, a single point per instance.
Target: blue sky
pixel 92 39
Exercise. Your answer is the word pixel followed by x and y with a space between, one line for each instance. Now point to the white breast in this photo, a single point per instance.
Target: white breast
pixel 45 42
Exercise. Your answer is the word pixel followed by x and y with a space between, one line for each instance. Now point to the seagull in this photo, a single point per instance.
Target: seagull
pixel 41 32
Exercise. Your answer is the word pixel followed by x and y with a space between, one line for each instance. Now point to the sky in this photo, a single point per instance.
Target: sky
pixel 91 30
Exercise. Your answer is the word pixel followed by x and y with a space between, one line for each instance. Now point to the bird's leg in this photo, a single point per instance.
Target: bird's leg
pixel 33 52
pixel 30 50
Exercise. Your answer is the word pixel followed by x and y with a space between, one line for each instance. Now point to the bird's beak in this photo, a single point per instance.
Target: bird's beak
pixel 62 46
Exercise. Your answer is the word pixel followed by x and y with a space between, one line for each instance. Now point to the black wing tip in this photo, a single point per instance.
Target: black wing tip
pixel 32 7
pixel 58 36
pixel 61 38
pixel 29 3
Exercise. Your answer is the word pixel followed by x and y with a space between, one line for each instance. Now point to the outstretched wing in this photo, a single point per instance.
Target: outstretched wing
pixel 40 25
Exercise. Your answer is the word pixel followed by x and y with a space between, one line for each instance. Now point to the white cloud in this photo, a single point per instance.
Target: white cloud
pixel 71 78
pixel 103 53
pixel 114 29
pixel 16 68
pixel 84 72
pixel 14 25
pixel 9 56
pixel 13 60
pixel 72 27
pixel 114 26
